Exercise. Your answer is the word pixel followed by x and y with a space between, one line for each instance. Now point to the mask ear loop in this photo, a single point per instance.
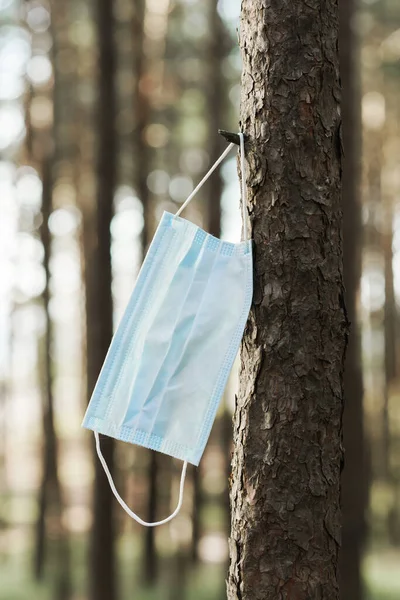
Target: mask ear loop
pixel 202 182
pixel 243 178
pixel 124 505
pixel 244 187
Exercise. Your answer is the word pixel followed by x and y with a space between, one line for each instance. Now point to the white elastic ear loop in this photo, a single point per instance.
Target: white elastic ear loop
pixel 244 187
pixel 124 505
pixel 206 176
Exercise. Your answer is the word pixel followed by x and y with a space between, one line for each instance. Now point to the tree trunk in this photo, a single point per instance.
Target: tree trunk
pixel 196 514
pixel 390 326
pixel 141 109
pixel 214 187
pixel 51 538
pixel 287 429
pixel 354 479
pixel 49 493
pixel 50 503
pixel 150 551
pixel 390 313
pixel 102 584
pixel 215 110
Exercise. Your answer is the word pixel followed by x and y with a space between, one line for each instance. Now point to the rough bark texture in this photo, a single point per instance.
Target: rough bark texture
pixel 354 478
pixel 102 585
pixel 287 427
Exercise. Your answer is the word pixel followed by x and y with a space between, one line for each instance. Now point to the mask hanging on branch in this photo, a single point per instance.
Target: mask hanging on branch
pixel 170 358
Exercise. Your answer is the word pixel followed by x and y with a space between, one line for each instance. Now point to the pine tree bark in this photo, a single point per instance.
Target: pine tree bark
pixel 287 427
pixel 354 478
pixel 99 310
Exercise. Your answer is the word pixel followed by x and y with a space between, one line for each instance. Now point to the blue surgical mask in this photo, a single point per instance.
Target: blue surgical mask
pixel 170 358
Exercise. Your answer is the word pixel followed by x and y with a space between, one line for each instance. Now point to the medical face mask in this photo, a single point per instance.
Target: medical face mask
pixel 170 358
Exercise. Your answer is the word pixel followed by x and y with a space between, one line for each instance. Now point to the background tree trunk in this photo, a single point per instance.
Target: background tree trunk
pixel 141 109
pixel 354 479
pixel 52 548
pixel 51 537
pixel 150 551
pixel 216 50
pixel 49 493
pixel 215 110
pixel 287 429
pixel 390 369
pixel 99 310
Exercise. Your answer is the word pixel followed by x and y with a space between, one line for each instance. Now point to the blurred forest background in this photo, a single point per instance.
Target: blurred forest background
pixel 109 112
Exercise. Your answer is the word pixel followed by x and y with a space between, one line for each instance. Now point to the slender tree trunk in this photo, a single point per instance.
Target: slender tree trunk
pixel 354 481
pixel 141 109
pixel 102 583
pixel 390 317
pixel 287 432
pixel 390 326
pixel 51 538
pixel 196 515
pixel 214 188
pixel 50 497
pixel 150 553
pixel 215 112
pixel 49 492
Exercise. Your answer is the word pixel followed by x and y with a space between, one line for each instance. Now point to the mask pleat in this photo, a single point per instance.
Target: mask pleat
pixel 182 331
pixel 128 328
pixel 159 333
pixel 195 373
pixel 121 385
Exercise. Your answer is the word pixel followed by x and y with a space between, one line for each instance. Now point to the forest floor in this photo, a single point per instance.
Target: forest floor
pixel 382 577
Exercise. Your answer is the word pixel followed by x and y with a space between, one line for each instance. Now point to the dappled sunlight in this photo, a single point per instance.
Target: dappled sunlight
pixel 213 548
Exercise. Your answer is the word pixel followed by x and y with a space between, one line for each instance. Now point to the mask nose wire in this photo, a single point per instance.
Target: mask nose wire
pixel 126 508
